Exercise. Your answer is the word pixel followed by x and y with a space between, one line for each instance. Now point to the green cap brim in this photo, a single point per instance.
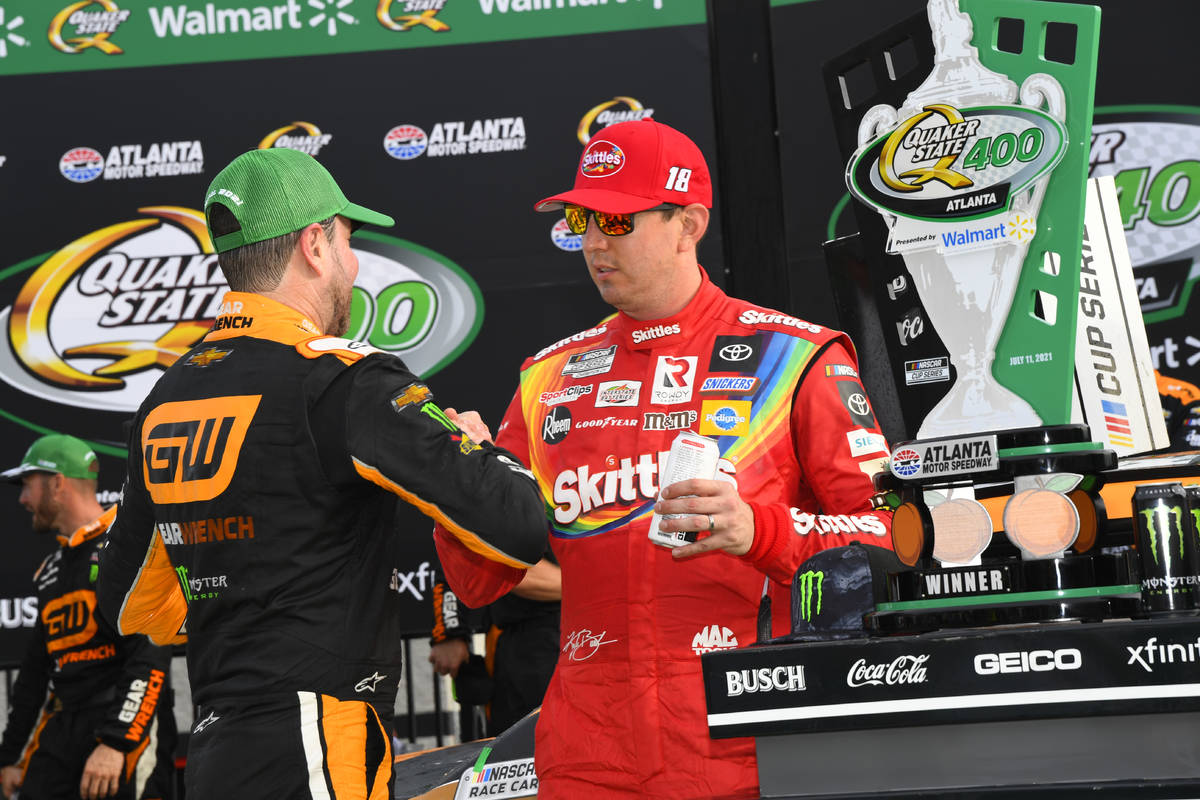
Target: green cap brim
pixel 355 212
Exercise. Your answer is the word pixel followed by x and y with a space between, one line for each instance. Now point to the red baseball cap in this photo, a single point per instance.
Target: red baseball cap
pixel 633 166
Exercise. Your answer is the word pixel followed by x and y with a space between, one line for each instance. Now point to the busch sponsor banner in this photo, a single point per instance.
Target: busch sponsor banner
pixel 1115 388
pixel 1038 672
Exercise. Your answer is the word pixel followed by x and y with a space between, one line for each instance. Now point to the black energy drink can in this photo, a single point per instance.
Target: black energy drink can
pixel 1166 548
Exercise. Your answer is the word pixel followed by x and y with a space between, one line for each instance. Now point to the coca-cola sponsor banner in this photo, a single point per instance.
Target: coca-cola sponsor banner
pixel 1109 668
pixel 108 274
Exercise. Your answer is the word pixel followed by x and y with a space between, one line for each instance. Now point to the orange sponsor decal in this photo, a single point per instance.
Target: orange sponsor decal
pixel 69 620
pixel 190 448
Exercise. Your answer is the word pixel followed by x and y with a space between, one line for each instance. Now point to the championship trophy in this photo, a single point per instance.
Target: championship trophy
pixel 970 169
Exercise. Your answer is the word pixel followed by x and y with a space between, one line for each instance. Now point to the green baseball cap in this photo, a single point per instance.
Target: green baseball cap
pixel 276 191
pixel 56 453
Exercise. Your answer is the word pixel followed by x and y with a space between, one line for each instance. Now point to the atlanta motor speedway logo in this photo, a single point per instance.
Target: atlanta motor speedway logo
pixel 94 324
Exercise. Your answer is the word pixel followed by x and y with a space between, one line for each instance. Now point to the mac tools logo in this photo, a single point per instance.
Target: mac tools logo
pixel 94 324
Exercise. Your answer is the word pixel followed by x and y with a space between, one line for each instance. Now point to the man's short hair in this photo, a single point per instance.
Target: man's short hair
pixel 259 266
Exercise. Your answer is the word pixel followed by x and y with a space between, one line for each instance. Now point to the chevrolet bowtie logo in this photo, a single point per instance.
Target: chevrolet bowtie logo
pixel 416 393
pixel 206 357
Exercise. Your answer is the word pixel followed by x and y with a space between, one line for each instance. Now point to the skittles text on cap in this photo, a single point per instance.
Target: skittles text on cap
pixel 635 166
pixel 56 453
pixel 276 191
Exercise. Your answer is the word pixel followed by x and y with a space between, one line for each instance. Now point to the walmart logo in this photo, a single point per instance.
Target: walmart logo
pixel 8 33
pixel 181 20
pixel 330 12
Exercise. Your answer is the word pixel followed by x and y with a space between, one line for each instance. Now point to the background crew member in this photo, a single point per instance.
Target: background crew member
pixel 266 463
pixel 107 728
pixel 522 643
pixel 625 714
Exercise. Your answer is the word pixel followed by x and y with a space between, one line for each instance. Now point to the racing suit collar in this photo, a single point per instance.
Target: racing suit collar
pixel 645 334
pixel 248 314
pixel 91 530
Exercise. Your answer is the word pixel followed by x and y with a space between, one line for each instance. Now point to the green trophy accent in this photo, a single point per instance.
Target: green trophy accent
pixel 1035 359
pixel 808 581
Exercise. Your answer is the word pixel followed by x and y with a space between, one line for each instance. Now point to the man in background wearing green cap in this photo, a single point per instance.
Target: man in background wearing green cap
pixel 264 472
pixel 98 733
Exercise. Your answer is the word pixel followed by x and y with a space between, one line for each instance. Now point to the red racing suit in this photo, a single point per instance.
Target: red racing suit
pixel 593 418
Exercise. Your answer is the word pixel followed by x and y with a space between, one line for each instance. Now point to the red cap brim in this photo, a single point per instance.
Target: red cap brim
pixel 609 202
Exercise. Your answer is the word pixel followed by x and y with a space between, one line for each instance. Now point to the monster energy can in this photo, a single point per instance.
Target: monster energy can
pixel 1167 553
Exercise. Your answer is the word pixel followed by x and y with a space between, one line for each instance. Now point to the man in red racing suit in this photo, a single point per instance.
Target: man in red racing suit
pixel 593 418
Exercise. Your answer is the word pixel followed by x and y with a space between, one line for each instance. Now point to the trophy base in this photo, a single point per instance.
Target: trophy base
pixel 1080 588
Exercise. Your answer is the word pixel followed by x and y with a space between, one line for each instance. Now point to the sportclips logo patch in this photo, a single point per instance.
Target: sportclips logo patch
pixel 85 25
pixel 95 323
pixel 302 136
pixel 610 112
pixel 951 165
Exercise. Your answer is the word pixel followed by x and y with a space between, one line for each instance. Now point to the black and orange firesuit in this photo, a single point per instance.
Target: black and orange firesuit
pixel 103 687
pixel 264 472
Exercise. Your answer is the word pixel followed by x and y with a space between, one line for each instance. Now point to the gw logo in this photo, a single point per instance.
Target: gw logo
pixel 69 620
pixel 190 448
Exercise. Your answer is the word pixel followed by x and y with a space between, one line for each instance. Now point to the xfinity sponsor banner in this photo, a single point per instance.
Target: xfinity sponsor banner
pixel 1038 672
pixel 58 35
pixel 1114 378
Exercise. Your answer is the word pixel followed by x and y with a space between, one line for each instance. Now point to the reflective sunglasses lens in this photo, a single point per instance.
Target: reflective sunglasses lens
pixel 576 219
pixel 614 224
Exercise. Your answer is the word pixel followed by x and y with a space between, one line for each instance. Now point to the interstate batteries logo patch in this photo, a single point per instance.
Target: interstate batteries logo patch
pixel 94 323
pixel 952 165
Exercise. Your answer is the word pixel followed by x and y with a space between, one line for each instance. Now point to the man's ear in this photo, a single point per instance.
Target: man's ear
pixel 695 223
pixel 314 247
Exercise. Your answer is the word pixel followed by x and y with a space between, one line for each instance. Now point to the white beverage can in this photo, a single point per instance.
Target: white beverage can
pixel 691 456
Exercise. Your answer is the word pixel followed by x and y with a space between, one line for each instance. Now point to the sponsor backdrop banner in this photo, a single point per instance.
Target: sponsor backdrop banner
pixel 453 116
pixel 107 274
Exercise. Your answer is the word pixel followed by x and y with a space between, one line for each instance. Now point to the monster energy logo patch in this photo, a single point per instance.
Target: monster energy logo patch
pixel 199 588
pixel 808 582
pixel 1153 517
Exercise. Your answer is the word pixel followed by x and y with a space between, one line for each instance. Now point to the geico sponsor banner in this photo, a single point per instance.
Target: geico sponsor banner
pixel 1120 667
pixel 66 35
pixel 94 324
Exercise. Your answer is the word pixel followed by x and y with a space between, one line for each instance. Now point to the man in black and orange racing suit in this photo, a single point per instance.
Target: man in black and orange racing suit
pixel 264 471
pixel 1181 411
pixel 106 728
pixel 595 415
